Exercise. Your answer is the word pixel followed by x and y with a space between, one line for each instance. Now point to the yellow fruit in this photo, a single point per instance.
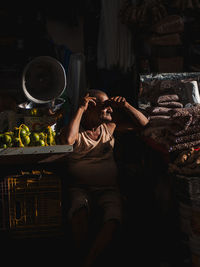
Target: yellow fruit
pixel 9 133
pixel 41 143
pixel 34 112
pixel 50 140
pixel 48 130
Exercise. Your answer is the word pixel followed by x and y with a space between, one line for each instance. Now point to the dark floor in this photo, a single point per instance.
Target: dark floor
pixel 146 239
pixel 150 234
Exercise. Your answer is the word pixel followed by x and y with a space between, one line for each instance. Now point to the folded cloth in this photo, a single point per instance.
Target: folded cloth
pixel 159 120
pixel 167 98
pixel 158 110
pixel 190 130
pixel 194 111
pixel 169 24
pixel 171 104
pixel 166 39
pixel 190 115
pixel 179 112
pixel 186 138
pixel 190 172
pixel 183 122
pixel 184 146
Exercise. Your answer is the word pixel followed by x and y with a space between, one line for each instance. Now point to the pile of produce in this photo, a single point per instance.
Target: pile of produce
pixel 22 137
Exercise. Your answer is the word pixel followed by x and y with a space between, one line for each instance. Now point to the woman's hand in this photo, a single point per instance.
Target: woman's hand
pixel 118 102
pixel 86 100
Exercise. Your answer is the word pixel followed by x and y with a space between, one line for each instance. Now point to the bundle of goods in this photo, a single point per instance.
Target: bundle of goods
pixel 177 128
pixel 183 5
pixel 173 109
pixel 143 14
pixel 174 114
pixel 186 163
pixel 166 44
pixel 170 39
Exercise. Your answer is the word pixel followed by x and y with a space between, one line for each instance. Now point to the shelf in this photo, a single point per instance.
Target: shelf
pixel 34 155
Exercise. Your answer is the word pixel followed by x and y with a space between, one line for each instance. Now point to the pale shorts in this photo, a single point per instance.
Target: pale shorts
pixel 107 198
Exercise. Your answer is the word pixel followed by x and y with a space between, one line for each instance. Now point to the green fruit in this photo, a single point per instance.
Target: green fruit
pixel 9 133
pixel 26 140
pixel 16 142
pixel 35 137
pixel 16 131
pixel 23 132
pixel 3 146
pixel 1 137
pixel 7 139
pixel 10 145
pixel 42 136
pixel 41 143
pixel 25 127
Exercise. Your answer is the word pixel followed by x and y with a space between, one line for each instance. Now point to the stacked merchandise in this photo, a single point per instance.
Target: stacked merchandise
pixel 166 44
pixel 174 123
pixel 173 111
pixel 142 14
pixel 189 135
pixel 161 30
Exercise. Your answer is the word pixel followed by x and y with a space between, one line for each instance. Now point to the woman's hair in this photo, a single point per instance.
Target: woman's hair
pixel 95 92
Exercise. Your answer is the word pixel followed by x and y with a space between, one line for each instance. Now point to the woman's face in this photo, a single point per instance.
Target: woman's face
pixel 103 109
pixel 101 112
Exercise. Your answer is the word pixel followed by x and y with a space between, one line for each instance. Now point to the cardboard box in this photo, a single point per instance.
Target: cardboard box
pixel 170 65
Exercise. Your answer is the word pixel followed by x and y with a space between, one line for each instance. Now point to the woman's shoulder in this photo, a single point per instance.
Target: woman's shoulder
pixel 109 128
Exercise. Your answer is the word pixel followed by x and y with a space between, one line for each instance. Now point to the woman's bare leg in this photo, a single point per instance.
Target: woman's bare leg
pixel 101 242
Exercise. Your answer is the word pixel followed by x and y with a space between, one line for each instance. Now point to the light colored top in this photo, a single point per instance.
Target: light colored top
pixel 92 162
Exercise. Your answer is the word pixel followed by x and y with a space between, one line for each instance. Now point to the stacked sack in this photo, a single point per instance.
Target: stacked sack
pixel 173 122
pixel 187 135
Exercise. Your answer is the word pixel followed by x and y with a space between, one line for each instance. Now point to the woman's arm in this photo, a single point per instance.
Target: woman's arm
pixel 69 133
pixel 126 116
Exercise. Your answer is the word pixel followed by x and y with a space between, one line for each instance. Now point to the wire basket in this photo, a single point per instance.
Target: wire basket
pixel 31 203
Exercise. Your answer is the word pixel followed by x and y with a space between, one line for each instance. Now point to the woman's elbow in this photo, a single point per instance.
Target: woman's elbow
pixel 145 122
pixel 65 140
pixel 70 141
